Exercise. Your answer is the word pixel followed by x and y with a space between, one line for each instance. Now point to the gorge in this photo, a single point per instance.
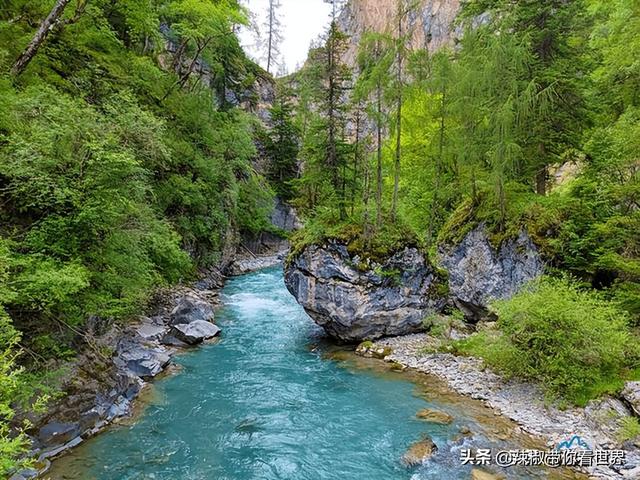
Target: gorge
pixel 420 245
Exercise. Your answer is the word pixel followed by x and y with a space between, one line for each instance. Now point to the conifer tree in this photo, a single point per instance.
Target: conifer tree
pixel 273 27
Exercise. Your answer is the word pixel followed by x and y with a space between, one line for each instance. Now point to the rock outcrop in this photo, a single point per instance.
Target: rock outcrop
pixel 353 302
pixel 431 22
pixel 479 273
pixel 190 308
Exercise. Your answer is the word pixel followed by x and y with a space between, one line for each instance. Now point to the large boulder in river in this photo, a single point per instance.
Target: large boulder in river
pixel 195 332
pixel 190 309
pixel 354 300
pixel 479 272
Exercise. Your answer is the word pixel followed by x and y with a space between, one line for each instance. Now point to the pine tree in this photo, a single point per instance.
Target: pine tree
pixel 282 146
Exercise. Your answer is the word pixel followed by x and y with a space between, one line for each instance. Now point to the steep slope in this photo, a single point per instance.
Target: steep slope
pixel 431 22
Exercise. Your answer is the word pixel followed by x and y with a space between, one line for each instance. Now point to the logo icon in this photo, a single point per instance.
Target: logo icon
pixel 574 442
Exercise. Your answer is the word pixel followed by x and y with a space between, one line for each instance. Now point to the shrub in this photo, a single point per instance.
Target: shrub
pixel 576 344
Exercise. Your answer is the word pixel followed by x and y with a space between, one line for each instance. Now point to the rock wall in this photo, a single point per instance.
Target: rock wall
pixel 479 273
pixel 353 303
pixel 431 23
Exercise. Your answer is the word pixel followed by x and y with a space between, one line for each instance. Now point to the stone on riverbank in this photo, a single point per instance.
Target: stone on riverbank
pixel 434 416
pixel 419 452
pixel 56 433
pixel 195 332
pixel 369 350
pixel 190 309
pixel 141 361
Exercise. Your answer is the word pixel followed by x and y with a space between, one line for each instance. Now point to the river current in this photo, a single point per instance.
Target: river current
pixel 272 399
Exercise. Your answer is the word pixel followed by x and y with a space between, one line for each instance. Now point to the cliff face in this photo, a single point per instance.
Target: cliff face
pixel 431 23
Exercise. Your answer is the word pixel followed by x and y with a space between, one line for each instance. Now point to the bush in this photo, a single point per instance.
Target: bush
pixel 577 345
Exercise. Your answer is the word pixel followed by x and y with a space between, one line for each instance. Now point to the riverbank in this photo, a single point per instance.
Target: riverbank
pixel 598 423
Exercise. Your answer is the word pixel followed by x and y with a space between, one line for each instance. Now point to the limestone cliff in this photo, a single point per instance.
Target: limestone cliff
pixel 431 22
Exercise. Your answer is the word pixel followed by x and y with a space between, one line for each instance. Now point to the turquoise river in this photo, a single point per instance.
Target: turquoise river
pixel 273 399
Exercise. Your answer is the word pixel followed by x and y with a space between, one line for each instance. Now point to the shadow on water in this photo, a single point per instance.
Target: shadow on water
pixel 275 400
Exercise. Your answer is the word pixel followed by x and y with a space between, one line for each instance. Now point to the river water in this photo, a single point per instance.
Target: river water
pixel 273 400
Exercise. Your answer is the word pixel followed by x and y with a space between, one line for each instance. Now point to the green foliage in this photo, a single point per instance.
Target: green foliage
pixel 12 444
pixel 576 344
pixel 629 430
pixel 326 225
pixel 282 146
pixel 122 168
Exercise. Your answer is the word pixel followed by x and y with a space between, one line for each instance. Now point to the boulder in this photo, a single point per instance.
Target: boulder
pixel 149 331
pixel 606 417
pixel 54 433
pixel 190 309
pixel 434 416
pixel 139 360
pixel 195 332
pixel 419 452
pixel 355 300
pixel 479 273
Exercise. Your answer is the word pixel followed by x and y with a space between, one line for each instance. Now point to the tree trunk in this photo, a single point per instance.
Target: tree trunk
pixel 270 41
pixel 379 161
pixel 43 31
pixel 356 160
pixel 542 173
pixel 439 169
pixel 396 173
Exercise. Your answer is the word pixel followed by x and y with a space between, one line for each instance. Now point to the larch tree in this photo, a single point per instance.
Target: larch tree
pixel 375 57
pixel 273 31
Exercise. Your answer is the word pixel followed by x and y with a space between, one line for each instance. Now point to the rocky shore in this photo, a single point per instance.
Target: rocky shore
pixel 598 423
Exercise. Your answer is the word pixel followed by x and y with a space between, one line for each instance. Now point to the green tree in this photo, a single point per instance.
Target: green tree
pixel 282 146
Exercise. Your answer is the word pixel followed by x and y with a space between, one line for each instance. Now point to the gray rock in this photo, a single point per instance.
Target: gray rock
pixel 284 217
pixel 139 360
pixel 55 433
pixel 195 332
pixel 478 273
pixel 120 408
pixel 631 395
pixel 172 341
pixel 149 331
pixel 606 416
pixel 353 304
pixel 191 309
pixel 54 452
